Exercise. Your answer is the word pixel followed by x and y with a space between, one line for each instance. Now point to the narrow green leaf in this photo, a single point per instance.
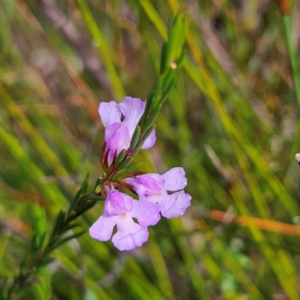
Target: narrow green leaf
pixel 85 184
pixel 176 39
pixel 129 170
pixel 48 250
pixel 167 91
pixel 149 101
pixel 75 201
pixel 157 91
pixel 59 220
pixel 125 163
pixel 170 77
pixel 151 119
pixel 98 182
pixel 71 226
pixel 66 239
pixel 84 207
pixel 135 137
pixel 53 241
pixel 163 63
pixel 180 60
pixel 95 198
pixel 45 261
pixel 120 157
pixel 35 241
pixel 141 142
pixel 42 240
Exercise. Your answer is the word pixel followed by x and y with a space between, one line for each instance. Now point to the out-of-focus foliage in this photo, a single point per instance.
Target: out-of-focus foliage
pixel 231 122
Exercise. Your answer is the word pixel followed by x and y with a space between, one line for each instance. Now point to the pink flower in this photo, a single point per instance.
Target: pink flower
pixel 157 189
pixel 120 121
pixel 120 209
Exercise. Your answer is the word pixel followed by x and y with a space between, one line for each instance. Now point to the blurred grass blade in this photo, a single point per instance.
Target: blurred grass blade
pixel 103 48
pixel 287 26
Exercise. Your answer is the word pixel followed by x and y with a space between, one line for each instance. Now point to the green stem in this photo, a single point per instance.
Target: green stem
pixel 41 255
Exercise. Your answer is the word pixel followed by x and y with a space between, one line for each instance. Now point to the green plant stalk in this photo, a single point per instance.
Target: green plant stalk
pixel 40 255
pixel 292 55
pixel 165 83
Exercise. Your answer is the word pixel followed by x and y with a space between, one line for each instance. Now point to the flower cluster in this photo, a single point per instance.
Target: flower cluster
pixel 120 121
pixel 157 194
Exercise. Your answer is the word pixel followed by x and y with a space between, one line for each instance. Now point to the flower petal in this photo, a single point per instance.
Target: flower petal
pixel 109 113
pixel 117 138
pixel 117 203
pixel 129 234
pixel 175 179
pixel 147 213
pixel 175 205
pixel 150 141
pixel 102 229
pixel 148 184
pixel 159 198
pixel 132 110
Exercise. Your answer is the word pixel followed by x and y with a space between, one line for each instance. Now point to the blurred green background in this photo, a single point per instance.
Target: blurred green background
pixel 231 122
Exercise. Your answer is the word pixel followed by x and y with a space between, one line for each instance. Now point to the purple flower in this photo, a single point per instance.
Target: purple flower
pixel 157 189
pixel 120 121
pixel 119 209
